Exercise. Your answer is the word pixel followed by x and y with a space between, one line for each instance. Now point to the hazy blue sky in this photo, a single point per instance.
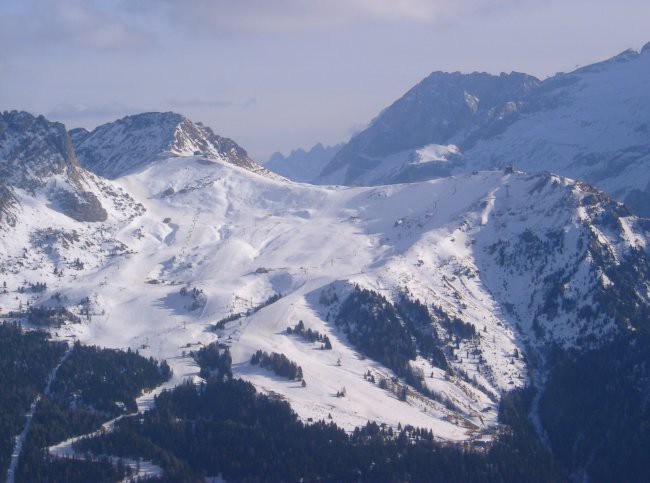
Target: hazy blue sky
pixel 280 74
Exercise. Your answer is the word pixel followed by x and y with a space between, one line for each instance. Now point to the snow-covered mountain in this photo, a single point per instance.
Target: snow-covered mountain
pixel 300 165
pixel 129 144
pixel 505 264
pixel 38 165
pixel 591 124
pixel 440 108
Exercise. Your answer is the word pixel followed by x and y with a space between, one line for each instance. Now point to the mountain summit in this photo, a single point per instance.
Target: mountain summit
pixel 131 143
pixel 439 110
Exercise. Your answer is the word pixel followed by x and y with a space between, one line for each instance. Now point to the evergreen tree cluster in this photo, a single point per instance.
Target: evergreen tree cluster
pixel 623 299
pixel 54 422
pixel 46 316
pixel 375 328
pixel 271 300
pixel 454 326
pixel 106 379
pixel 91 386
pixel 221 324
pixel 310 335
pixel 197 296
pixel 213 361
pixel 79 469
pixel 278 363
pixel 596 409
pixel 417 318
pixel 227 428
pixel 26 360
pixel 395 334
pixel 38 287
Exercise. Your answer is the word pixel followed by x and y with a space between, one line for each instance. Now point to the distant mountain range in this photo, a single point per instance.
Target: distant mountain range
pixel 591 124
pixel 300 165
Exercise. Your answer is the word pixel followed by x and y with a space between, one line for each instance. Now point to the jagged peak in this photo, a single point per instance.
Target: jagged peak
pixel 440 108
pixel 144 120
pixel 151 116
pixel 123 146
pixel 23 121
pixel 32 149
pixel 478 75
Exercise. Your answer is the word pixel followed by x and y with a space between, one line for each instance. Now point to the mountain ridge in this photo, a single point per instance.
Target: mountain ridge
pixel 587 124
pixel 131 143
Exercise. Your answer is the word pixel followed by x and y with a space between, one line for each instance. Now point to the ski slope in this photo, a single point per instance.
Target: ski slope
pixel 240 238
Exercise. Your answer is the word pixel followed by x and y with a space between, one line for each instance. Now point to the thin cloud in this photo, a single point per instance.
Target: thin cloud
pixel 221 17
pixel 137 24
pixel 91 24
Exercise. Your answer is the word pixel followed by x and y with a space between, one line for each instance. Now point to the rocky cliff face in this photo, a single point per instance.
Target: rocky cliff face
pixel 37 160
pixel 33 149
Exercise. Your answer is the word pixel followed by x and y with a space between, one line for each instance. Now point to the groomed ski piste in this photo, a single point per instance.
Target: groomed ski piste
pixel 239 238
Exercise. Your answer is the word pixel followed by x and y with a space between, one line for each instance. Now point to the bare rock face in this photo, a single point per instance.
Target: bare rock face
pixel 37 156
pixel 33 149
pixel 80 206
pixel 132 143
pixel 78 134
pixel 8 205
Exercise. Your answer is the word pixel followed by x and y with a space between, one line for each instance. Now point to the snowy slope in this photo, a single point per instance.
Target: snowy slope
pixel 240 237
pixel 128 144
pixel 592 124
